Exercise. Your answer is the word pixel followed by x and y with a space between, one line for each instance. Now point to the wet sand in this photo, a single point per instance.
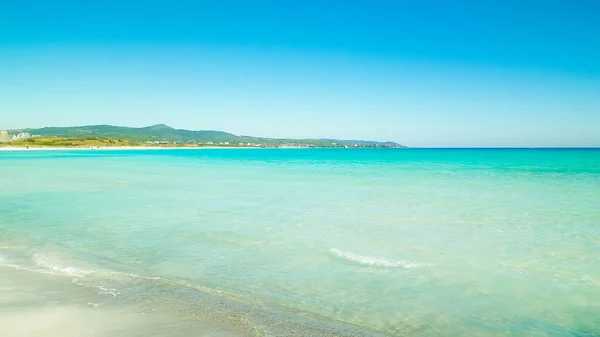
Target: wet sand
pixel 38 305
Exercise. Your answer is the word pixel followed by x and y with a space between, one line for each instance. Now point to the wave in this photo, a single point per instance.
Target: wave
pixel 4 262
pixel 374 261
pixel 43 265
pixel 148 278
pixel 71 271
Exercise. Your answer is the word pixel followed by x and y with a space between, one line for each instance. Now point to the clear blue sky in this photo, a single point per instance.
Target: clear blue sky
pixel 423 73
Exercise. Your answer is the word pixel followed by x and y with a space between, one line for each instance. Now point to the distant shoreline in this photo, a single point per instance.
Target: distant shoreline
pixel 163 135
pixel 9 148
pixel 110 148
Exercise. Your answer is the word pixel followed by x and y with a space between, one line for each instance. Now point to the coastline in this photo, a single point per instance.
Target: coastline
pixel 111 148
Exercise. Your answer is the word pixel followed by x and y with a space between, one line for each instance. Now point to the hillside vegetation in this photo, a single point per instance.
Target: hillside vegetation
pixel 69 142
pixel 163 134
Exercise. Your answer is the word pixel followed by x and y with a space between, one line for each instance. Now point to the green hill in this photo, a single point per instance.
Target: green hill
pixel 166 134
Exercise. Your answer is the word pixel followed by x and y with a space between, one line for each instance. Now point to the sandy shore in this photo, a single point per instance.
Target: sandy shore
pixel 42 305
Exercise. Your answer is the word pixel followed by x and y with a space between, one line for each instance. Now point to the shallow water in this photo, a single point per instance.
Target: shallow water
pixel 303 242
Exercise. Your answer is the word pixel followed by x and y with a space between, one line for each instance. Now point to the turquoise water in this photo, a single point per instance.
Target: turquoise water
pixel 346 242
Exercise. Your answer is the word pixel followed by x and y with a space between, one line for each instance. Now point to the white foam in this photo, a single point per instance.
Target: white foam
pixel 4 263
pixel 373 261
pixel 71 271
pixel 45 267
pixel 143 277
pixel 108 291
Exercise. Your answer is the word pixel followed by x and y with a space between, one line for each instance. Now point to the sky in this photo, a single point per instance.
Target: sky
pixel 480 73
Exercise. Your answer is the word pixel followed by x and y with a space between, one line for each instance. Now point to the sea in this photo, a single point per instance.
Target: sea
pixel 300 242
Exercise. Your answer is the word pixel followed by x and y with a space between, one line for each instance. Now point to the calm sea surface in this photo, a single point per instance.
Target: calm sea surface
pixel 346 242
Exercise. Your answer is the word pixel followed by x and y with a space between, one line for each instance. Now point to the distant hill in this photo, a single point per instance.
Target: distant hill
pixel 164 133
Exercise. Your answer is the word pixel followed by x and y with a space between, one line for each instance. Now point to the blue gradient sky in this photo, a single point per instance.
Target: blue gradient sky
pixel 423 73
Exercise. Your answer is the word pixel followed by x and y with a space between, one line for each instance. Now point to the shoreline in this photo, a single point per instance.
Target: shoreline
pixel 111 148
pixel 54 296
pixel 60 306
pixel 108 148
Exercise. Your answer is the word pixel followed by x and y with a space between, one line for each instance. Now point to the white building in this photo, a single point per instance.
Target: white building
pixel 19 136
pixel 4 138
